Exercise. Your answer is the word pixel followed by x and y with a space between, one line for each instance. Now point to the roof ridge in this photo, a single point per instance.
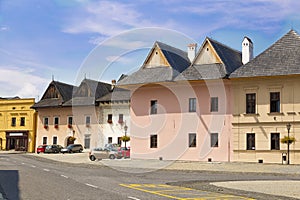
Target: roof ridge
pixel 224 45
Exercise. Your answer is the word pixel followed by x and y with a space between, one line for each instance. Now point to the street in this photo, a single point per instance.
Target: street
pixel 27 177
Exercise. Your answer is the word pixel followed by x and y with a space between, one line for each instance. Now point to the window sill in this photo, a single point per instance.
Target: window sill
pixel 291 113
pixel 250 114
pixel 275 114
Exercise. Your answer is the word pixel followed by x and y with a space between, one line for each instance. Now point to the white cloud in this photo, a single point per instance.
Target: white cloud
pixel 20 82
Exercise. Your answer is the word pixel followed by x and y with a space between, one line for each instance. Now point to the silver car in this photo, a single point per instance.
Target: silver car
pixel 99 154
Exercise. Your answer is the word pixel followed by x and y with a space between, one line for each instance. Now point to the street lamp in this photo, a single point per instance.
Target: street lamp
pixel 288 126
pixel 125 129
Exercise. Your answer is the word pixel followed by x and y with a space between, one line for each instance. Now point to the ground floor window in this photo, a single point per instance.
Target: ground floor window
pixel 44 140
pixel 153 141
pixel 192 140
pixel 109 140
pixel 250 141
pixel 275 141
pixel 54 140
pixel 214 139
pixel 119 141
pixel 87 141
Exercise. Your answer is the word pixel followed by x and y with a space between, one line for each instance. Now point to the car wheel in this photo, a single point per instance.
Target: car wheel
pixel 112 157
pixel 37 152
pixel 92 158
pixel 80 151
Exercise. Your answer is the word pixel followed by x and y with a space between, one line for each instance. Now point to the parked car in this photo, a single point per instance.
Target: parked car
pixel 53 148
pixel 99 154
pixel 72 148
pixel 124 152
pixel 41 148
pixel 111 146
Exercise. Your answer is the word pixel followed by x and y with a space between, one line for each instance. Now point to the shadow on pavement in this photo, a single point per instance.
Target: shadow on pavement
pixel 9 182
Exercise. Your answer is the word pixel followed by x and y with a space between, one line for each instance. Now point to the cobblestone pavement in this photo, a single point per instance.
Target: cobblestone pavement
pixel 267 187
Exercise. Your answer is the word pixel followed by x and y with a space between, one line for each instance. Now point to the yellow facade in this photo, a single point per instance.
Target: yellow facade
pixel 264 123
pixel 17 124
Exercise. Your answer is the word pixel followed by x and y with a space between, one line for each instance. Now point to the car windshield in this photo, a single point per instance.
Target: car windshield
pixel 41 146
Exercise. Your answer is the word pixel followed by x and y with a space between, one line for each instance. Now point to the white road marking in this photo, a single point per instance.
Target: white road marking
pixel 91 185
pixel 47 170
pixel 33 166
pixel 64 176
pixel 23 163
pixel 133 198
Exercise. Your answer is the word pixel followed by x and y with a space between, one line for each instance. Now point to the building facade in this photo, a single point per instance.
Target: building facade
pixel 17 124
pixel 267 99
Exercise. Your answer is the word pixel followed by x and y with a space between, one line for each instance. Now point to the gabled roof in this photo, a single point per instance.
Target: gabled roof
pixel 281 58
pixel 55 95
pixel 176 58
pixel 230 60
pixel 87 93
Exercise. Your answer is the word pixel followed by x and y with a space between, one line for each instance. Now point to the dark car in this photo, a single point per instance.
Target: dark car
pixel 41 148
pixel 72 148
pixel 53 148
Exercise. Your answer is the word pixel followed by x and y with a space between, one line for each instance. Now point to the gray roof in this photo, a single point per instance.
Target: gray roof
pixel 177 58
pixel 118 94
pixel 232 59
pixel 65 91
pixel 281 58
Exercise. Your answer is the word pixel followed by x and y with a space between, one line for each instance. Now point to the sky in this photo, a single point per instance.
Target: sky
pixel 68 40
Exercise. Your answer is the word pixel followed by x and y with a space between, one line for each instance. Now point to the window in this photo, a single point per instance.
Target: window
pixel 109 140
pixel 46 121
pixel 275 141
pixel 22 121
pixel 13 121
pixel 250 141
pixel 214 104
pixel 192 140
pixel 54 140
pixel 153 141
pixel 119 141
pixel 214 141
pixel 87 120
pixel 192 104
pixel 87 141
pixel 275 102
pixel 109 118
pixel 121 116
pixel 251 103
pixel 70 120
pixel 56 120
pixel 44 140
pixel 153 107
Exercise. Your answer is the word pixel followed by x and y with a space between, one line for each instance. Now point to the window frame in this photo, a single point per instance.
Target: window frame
pixel 13 121
pixel 192 140
pixel 214 139
pixel 192 104
pixel 153 141
pixel 275 102
pixel 275 143
pixel 251 103
pixel 22 121
pixel 46 121
pixel 45 140
pixel 109 118
pixel 250 141
pixel 87 120
pixel 153 107
pixel 70 120
pixel 214 104
pixel 54 139
pixel 56 121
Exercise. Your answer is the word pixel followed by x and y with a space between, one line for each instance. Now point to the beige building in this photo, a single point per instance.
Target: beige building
pixel 267 97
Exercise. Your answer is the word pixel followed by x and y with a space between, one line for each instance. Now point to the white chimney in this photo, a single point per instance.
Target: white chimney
pixel 192 48
pixel 113 84
pixel 247 50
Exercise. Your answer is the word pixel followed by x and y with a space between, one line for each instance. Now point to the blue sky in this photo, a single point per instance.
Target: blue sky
pixel 72 39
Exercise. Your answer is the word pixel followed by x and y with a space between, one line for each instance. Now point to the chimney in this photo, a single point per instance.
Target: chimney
pixel 247 50
pixel 192 48
pixel 113 84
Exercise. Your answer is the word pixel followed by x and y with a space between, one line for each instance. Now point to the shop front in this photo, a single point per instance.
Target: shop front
pixel 17 140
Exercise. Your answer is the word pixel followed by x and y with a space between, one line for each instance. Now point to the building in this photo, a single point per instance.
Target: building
pixel 180 103
pixel 114 116
pixel 17 124
pixel 68 114
pixel 267 98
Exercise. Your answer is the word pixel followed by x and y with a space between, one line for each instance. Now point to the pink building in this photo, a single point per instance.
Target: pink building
pixel 181 103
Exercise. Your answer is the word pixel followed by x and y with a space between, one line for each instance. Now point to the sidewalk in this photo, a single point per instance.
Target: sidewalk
pixel 141 166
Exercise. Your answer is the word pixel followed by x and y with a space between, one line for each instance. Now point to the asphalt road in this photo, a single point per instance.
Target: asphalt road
pixel 28 177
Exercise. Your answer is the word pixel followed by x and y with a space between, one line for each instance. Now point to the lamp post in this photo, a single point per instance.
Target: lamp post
pixel 125 129
pixel 288 126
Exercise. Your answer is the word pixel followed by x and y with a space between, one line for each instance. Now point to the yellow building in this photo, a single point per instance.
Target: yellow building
pixel 17 124
pixel 266 96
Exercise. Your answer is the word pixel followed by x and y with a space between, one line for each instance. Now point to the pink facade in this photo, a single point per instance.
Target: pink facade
pixel 174 122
